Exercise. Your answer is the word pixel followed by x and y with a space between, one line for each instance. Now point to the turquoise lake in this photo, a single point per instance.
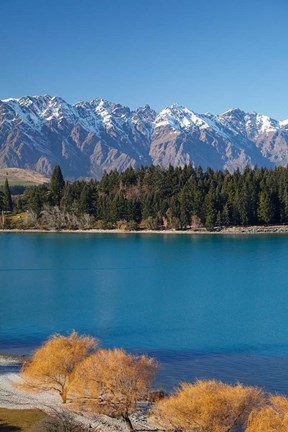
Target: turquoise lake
pixel 207 306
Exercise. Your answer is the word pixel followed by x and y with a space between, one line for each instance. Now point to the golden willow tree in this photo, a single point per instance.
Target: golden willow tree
pixel 112 382
pixel 273 417
pixel 207 406
pixel 52 366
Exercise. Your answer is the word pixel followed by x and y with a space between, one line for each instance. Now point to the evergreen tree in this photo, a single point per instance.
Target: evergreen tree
pixel 35 203
pixel 210 211
pixel 85 204
pixel 7 200
pixel 265 209
pixel 185 207
pixel 226 218
pixel 57 184
pixel 1 201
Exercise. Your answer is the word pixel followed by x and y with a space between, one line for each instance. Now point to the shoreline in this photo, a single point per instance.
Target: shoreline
pixel 12 396
pixel 237 230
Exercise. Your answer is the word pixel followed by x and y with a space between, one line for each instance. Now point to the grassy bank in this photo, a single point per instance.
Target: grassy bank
pixel 21 177
pixel 12 420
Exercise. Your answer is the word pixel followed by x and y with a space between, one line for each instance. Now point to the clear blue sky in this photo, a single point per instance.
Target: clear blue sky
pixel 209 55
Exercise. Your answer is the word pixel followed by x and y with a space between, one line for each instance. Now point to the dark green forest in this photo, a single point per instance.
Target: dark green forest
pixel 156 198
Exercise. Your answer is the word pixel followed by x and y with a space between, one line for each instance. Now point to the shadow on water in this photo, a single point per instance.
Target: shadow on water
pixel 9 367
pixel 4 427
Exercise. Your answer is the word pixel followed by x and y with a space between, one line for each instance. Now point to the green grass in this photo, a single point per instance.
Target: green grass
pixel 21 177
pixel 17 182
pixel 17 216
pixel 12 420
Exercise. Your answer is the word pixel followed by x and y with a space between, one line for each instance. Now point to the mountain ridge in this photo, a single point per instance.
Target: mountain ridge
pixel 88 138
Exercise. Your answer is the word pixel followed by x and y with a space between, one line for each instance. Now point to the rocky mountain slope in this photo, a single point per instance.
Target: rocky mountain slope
pixel 90 137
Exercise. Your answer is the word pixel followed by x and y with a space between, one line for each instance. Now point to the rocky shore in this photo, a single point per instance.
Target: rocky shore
pixel 271 229
pixel 281 229
pixel 13 397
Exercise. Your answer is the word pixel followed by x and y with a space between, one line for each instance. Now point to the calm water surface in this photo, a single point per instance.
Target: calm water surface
pixel 205 306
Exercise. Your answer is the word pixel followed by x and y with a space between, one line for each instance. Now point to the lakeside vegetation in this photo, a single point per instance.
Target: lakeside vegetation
pixel 153 198
pixel 115 383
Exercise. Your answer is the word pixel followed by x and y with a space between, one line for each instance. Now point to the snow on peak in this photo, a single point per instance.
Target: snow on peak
pixel 57 109
pixel 10 100
pixel 100 114
pixel 26 110
pixel 174 116
pixel 180 118
pixel 248 124
pixel 144 114
pixel 265 123
pixel 233 112
pixel 284 123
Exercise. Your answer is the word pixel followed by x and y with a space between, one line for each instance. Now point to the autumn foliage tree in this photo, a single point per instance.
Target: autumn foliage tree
pixel 52 366
pixel 272 417
pixel 207 406
pixel 112 382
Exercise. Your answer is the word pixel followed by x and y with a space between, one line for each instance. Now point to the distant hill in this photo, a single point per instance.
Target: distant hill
pixel 21 177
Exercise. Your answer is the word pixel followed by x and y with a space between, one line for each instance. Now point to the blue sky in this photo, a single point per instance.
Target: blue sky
pixel 207 55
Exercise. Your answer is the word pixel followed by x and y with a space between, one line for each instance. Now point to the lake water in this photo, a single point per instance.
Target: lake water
pixel 205 306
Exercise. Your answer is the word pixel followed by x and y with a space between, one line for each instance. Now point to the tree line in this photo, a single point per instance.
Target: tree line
pixel 156 198
pixel 116 383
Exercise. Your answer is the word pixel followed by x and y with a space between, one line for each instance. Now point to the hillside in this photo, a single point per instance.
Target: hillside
pixel 21 177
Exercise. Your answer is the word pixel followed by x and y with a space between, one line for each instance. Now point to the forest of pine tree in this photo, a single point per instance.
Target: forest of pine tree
pixel 156 198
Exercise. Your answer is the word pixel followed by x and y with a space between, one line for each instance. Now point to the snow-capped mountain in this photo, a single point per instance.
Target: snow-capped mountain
pixel 88 138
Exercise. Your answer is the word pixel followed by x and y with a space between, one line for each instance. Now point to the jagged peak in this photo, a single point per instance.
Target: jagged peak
pixel 145 107
pixel 177 116
pixel 59 100
pixel 244 114
pixel 36 104
pixel 28 100
pixel 99 101
pixel 145 111
pixel 233 111
pixel 284 123
pixel 179 110
pixel 180 118
pixel 10 100
pixel 175 108
pixel 106 108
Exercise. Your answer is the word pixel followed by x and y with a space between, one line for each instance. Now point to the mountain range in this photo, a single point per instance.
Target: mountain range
pixel 88 138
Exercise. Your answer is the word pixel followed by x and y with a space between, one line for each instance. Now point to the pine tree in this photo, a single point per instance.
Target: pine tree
pixel 210 210
pixel 7 200
pixel 185 206
pixel 226 215
pixel 265 209
pixel 85 204
pixel 57 184
pixel 35 203
pixel 1 201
